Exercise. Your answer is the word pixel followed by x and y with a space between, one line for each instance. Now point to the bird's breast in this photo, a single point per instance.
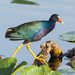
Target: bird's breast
pixel 44 30
pixel 41 33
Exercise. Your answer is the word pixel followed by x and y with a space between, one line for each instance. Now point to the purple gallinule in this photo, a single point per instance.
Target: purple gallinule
pixel 32 31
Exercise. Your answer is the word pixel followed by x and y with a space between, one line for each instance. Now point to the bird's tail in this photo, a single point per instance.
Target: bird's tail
pixel 9 32
pixel 13 34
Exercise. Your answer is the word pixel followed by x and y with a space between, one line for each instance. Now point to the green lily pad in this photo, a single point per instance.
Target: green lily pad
pixel 46 69
pixel 24 2
pixel 67 71
pixel 32 70
pixel 7 65
pixel 54 73
pixel 69 37
pixel 19 67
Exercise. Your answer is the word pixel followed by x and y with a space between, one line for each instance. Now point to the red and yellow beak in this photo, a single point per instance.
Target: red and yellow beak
pixel 60 21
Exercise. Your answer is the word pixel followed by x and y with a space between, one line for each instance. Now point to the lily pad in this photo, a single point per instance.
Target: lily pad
pixel 46 69
pixel 19 67
pixel 32 70
pixel 54 73
pixel 24 2
pixel 67 71
pixel 69 37
pixel 7 65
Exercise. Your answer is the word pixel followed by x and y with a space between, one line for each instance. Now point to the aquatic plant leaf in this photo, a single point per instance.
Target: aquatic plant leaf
pixel 54 73
pixel 67 71
pixel 46 69
pixel 19 67
pixel 32 70
pixel 7 65
pixel 24 2
pixel 69 37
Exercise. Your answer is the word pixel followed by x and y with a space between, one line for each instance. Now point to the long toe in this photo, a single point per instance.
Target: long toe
pixel 42 61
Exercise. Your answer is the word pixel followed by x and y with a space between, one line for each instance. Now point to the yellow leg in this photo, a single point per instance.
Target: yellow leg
pixel 17 50
pixel 41 55
pixel 30 50
pixel 35 55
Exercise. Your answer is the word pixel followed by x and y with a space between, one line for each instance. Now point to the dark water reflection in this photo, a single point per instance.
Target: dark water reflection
pixel 24 2
pixel 54 63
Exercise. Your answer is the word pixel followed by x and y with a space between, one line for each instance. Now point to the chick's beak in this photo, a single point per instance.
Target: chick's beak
pixel 60 21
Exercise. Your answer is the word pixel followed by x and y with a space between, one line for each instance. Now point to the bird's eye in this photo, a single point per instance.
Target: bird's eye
pixel 57 18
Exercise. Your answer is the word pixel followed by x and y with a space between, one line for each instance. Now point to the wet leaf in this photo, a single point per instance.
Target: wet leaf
pixel 24 2
pixel 70 37
pixel 46 69
pixel 19 67
pixel 67 71
pixel 32 70
pixel 54 73
pixel 7 65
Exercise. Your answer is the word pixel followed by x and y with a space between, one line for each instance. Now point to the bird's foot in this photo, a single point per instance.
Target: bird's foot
pixel 41 60
pixel 39 57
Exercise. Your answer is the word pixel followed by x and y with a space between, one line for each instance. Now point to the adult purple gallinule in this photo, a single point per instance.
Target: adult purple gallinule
pixel 32 31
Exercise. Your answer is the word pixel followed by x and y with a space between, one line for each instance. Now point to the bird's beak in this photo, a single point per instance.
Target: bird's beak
pixel 60 21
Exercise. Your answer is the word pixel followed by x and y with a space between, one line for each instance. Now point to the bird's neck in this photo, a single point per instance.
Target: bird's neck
pixel 51 25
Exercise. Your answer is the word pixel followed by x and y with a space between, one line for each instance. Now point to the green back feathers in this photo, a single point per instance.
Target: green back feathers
pixel 26 30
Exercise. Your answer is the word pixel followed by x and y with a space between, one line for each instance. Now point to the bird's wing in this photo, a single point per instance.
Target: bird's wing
pixel 26 30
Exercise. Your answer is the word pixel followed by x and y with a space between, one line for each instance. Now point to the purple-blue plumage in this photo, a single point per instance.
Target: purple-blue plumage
pixel 47 26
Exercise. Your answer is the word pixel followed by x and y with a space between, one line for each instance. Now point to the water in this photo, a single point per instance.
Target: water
pixel 12 15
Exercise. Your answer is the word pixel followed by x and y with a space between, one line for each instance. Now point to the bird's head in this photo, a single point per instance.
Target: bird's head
pixel 56 18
